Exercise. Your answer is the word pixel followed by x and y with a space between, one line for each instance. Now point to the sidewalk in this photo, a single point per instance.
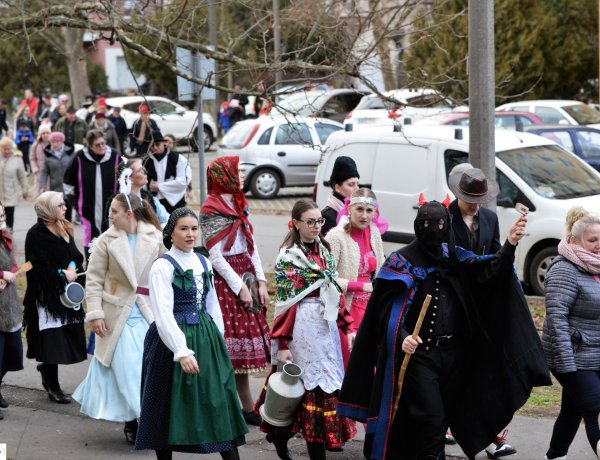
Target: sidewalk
pixel 35 428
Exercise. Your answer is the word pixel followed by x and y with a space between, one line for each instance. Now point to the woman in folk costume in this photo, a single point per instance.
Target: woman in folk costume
pixel 118 310
pixel 228 236
pixel 357 250
pixel 189 402
pixel 11 314
pixel 308 312
pixel 343 181
pixel 55 333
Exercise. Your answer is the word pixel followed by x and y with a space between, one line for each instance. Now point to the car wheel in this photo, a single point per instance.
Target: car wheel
pixel 208 139
pixel 265 184
pixel 539 267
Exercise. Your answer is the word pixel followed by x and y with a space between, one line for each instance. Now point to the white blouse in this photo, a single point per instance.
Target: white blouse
pixel 240 246
pixel 161 298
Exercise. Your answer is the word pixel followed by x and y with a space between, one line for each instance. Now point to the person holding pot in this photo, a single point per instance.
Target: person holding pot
pixel 343 181
pixel 189 402
pixel 55 332
pixel 119 313
pixel 309 310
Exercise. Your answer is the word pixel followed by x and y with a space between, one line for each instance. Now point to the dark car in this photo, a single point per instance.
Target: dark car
pixel 581 140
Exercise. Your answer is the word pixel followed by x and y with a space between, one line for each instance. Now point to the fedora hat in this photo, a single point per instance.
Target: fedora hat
pixel 473 187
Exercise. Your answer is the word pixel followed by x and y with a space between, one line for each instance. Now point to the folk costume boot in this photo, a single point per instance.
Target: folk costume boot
pixel 316 450
pixel 280 441
pixel 130 430
pixel 231 454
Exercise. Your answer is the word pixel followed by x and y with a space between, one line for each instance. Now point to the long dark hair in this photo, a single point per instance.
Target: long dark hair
pixel 293 236
pixel 141 208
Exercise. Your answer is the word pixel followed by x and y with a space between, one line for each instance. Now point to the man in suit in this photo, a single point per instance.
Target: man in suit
pixel 476 229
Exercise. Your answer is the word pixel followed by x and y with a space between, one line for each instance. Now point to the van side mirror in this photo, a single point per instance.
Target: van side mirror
pixel 505 202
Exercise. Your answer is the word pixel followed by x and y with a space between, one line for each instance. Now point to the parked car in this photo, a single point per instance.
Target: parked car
pixel 333 104
pixel 171 118
pixel 413 104
pixel 275 152
pixel 508 120
pixel 530 170
pixel 557 112
pixel 583 141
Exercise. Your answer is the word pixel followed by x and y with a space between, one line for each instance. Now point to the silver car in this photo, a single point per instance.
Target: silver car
pixel 277 152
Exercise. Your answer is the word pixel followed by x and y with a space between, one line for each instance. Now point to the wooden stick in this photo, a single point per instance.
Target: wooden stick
pixel 24 268
pixel 407 356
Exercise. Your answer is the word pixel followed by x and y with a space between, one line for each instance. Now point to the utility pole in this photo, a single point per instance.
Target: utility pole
pixel 212 32
pixel 482 82
pixel 276 41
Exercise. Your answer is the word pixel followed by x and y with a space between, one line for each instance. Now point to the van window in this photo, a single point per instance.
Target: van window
pixel 590 143
pixel 552 172
pixel 453 158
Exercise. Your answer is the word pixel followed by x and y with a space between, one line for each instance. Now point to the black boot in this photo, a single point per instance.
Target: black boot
pixel 280 441
pixel 316 450
pixel 164 454
pixel 130 431
pixel 231 454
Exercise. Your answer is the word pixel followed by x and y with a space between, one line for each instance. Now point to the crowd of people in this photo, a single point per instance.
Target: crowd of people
pixel 434 344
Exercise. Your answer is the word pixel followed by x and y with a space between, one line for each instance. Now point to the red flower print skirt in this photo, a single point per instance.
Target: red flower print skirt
pixel 247 334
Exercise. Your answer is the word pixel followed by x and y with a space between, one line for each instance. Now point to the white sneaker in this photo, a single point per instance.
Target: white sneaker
pixel 500 448
pixel 564 457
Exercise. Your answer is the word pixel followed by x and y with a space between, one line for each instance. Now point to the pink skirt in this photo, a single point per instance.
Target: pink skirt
pixel 247 334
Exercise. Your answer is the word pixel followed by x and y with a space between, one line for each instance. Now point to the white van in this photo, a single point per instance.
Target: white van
pixel 531 170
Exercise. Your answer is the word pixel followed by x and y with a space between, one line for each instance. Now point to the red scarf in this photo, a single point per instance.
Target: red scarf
pixel 7 237
pixel 223 178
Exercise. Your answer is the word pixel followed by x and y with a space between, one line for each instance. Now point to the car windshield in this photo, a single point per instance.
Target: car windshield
pixel 552 172
pixel 583 114
pixel 433 100
pixel 237 136
pixel 303 102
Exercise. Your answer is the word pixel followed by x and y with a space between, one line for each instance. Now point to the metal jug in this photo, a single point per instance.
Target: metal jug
pixel 284 392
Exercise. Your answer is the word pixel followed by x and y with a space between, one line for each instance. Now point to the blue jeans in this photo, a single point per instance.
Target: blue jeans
pixel 580 398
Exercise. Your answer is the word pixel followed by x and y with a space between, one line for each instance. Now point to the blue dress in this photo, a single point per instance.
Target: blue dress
pixel 113 393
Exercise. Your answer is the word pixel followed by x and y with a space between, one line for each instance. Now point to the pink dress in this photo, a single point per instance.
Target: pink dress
pixel 366 268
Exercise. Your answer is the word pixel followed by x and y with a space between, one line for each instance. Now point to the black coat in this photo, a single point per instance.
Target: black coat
pixel 505 355
pixel 48 253
pixel 488 232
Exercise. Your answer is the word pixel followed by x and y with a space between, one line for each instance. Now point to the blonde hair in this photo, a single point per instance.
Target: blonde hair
pixel 361 192
pixel 578 220
pixel 7 141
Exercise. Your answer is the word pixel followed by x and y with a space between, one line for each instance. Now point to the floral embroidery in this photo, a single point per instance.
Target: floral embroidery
pixel 293 276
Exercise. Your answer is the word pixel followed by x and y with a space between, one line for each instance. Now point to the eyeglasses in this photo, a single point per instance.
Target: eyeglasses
pixel 99 144
pixel 62 205
pixel 142 170
pixel 312 222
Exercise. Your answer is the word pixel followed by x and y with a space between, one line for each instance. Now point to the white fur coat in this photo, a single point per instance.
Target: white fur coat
pixel 113 275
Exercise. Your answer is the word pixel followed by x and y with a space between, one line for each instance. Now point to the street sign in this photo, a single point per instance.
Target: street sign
pixel 198 65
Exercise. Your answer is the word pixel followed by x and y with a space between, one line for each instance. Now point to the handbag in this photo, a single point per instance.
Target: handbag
pixel 252 284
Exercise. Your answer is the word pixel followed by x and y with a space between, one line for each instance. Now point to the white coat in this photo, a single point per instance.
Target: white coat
pixel 113 276
pixel 346 253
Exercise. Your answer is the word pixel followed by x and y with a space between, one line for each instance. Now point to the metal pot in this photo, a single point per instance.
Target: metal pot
pixel 284 392
pixel 73 295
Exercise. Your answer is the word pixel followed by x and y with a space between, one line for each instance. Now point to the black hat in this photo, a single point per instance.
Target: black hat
pixel 344 168
pixel 473 187
pixel 157 136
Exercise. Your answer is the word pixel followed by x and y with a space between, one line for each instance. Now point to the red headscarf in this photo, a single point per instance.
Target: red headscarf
pixel 223 178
